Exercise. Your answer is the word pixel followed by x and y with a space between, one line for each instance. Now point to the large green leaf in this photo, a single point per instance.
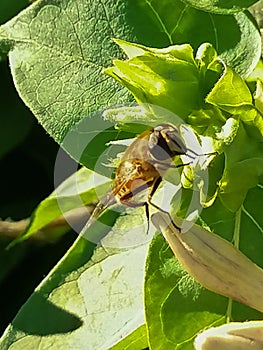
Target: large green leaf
pixel 248 229
pixel 57 52
pixel 235 37
pixel 252 225
pixel 91 300
pixel 134 341
pixel 223 6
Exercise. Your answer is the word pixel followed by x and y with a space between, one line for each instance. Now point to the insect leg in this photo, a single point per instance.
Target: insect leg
pixel 153 190
pixel 107 201
pixel 155 185
pixel 146 206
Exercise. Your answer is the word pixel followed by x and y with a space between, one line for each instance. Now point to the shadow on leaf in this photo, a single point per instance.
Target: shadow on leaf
pixel 41 317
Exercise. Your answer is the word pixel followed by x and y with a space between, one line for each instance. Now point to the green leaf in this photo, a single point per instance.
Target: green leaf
pixel 257 73
pixel 242 136
pixel 258 113
pixel 259 96
pixel 230 93
pixel 233 193
pixel 212 217
pixel 252 225
pixel 177 308
pixel 249 230
pixel 157 75
pixel 134 341
pixel 77 191
pixel 223 6
pixel 235 37
pixel 243 168
pixel 207 121
pixel 89 142
pixel 222 221
pixel 90 300
pixel 58 52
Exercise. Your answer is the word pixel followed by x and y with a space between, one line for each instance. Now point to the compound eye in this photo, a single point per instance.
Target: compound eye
pixel 158 146
pixel 165 142
pixel 153 139
pixel 175 143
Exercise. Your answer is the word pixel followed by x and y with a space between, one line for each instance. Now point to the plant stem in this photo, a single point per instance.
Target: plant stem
pixel 236 238
pixel 12 230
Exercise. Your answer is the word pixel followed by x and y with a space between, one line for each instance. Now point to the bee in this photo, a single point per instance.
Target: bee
pixel 142 167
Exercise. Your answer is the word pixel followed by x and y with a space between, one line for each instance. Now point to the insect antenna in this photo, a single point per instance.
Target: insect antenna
pixel 198 154
pixel 195 154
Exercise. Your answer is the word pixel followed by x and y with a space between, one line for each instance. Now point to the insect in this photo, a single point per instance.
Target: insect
pixel 142 168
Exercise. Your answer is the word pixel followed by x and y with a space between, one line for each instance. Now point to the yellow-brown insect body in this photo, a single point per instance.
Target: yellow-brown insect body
pixel 146 160
pixel 136 171
pixel 142 167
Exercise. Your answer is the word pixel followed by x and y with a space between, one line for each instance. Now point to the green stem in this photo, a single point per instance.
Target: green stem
pixel 229 310
pixel 236 238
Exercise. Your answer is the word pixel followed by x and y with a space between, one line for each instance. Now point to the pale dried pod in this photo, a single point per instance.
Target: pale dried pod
pixel 214 262
pixel 232 336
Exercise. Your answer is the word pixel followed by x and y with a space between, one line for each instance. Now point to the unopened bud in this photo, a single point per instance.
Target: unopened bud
pixel 214 262
pixel 232 336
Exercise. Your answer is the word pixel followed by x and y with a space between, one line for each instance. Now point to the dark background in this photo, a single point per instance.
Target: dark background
pixel 27 157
